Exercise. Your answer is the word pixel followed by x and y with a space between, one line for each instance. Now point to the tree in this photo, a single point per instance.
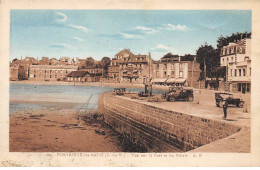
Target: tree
pixel 170 57
pixel 14 60
pixel 223 41
pixel 187 57
pixel 90 61
pixel 105 62
pixel 207 55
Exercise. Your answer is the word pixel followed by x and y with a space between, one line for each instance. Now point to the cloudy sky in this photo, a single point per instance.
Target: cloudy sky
pixel 99 33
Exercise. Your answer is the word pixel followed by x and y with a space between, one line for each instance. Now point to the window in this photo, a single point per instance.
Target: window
pixel 231 72
pixel 181 74
pixel 164 74
pixel 239 72
pixel 244 72
pixel 180 65
pixel 173 66
pixel 165 66
pixel 172 74
pixel 248 87
pixel 157 74
pixel 235 72
pixel 231 59
pixel 239 86
pixel 157 66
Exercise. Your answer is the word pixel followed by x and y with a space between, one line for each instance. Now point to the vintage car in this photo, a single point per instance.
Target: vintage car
pixel 146 92
pixel 171 89
pixel 120 91
pixel 178 93
pixel 229 98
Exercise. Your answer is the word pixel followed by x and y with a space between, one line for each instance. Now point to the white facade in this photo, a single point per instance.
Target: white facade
pixel 237 59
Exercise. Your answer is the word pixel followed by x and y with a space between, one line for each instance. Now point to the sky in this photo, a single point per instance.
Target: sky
pixel 99 33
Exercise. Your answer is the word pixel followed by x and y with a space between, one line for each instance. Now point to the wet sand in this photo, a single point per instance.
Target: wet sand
pixel 50 130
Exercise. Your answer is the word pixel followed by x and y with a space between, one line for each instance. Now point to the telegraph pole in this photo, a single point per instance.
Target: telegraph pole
pixel 205 70
pixel 149 83
pixel 192 73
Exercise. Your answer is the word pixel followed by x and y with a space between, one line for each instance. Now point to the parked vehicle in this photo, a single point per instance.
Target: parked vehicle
pixel 146 92
pixel 142 94
pixel 178 93
pixel 229 98
pixel 120 91
pixel 171 89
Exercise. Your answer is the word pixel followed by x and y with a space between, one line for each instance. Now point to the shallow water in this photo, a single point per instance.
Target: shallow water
pixel 29 96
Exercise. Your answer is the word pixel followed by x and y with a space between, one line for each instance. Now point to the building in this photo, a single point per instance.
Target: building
pixel 129 68
pixel 94 69
pixel 66 61
pixel 83 76
pixel 113 71
pixel 44 61
pixel 18 70
pixel 81 62
pixel 50 72
pixel 54 61
pixel 177 73
pixel 236 57
pixel 30 60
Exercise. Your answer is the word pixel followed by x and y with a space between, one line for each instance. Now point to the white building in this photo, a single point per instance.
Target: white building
pixel 236 57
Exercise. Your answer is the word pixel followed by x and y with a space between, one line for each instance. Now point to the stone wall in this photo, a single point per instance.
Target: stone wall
pixel 160 130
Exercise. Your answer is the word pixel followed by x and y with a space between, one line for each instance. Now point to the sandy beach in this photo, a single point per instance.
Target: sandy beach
pixel 57 131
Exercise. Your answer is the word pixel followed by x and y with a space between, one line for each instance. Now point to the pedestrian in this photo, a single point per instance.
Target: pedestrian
pixel 225 105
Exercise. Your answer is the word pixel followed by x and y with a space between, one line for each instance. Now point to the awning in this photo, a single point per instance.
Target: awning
pixel 180 80
pixel 173 80
pixel 158 80
pixel 170 80
pixel 220 68
pixel 135 71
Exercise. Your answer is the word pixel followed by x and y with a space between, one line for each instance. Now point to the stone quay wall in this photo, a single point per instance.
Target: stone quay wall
pixel 157 129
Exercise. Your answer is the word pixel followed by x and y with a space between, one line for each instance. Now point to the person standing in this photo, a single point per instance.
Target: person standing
pixel 225 105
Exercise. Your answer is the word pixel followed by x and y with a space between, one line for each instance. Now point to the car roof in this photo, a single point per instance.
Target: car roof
pixel 224 93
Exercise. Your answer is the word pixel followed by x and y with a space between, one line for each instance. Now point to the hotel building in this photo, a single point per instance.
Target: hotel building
pixel 236 57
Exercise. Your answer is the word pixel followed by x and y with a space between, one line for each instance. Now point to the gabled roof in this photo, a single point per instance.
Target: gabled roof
pixel 124 51
pixel 77 73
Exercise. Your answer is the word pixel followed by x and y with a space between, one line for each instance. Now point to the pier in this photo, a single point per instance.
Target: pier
pixel 174 126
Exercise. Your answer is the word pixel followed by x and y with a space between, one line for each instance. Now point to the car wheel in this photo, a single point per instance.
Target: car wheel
pixel 163 96
pixel 172 98
pixel 241 104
